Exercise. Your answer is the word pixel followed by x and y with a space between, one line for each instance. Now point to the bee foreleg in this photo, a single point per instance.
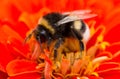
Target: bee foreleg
pixel 79 37
pixel 49 42
pixel 81 46
pixel 57 45
pixel 39 40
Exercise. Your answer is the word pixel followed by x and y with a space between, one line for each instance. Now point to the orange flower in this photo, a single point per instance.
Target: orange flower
pixel 100 60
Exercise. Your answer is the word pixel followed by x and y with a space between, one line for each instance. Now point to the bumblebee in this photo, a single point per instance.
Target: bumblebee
pixel 56 27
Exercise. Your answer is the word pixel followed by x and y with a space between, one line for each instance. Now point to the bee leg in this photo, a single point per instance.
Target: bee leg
pixel 79 37
pixel 39 40
pixel 57 45
pixel 49 41
pixel 81 46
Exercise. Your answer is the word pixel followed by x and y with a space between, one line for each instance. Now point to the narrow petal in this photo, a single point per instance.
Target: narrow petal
pixel 108 68
pixel 116 57
pixel 76 66
pixel 65 66
pixel 48 66
pixel 94 38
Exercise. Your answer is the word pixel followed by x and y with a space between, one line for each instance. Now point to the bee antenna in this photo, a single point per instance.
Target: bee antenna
pixel 28 37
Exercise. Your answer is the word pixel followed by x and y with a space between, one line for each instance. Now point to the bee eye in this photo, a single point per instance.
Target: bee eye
pixel 41 33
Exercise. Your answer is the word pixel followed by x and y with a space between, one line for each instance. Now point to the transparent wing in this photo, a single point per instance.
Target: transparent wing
pixel 76 15
pixel 77 12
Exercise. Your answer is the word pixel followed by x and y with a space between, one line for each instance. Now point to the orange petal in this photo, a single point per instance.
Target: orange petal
pixel 47 53
pixel 2 69
pixel 31 20
pixel 76 66
pixel 48 66
pixel 48 70
pixel 115 75
pixel 37 52
pixel 56 6
pixel 17 48
pixel 31 6
pixel 113 48
pixel 18 66
pixel 100 59
pixel 108 68
pixel 113 17
pixel 58 78
pixel 21 28
pixel 74 5
pixel 104 53
pixel 93 39
pixel 5 56
pixel 8 11
pixel 113 34
pixel 102 9
pixel 26 76
pixel 9 33
pixel 94 77
pixel 116 57
pixel 111 74
pixel 28 19
pixel 116 2
pixel 16 27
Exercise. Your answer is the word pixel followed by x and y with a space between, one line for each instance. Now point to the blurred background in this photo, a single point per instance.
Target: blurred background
pixel 26 13
pixel 18 17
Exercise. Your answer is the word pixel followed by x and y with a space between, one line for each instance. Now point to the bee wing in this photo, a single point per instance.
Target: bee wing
pixel 74 17
pixel 77 12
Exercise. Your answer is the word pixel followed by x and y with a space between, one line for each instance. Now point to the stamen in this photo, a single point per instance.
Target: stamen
pixel 100 59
